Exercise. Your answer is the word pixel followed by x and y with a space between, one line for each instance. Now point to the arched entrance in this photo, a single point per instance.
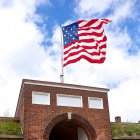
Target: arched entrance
pixel 69 126
pixel 67 130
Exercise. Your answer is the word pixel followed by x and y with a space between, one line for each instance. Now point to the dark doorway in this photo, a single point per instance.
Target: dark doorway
pixel 65 130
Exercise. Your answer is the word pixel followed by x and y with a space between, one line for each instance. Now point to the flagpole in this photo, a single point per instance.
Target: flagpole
pixel 62 70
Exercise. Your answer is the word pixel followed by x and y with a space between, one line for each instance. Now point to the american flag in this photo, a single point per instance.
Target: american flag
pixel 85 39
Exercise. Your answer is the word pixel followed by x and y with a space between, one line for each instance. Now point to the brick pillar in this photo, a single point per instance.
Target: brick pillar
pixel 118 119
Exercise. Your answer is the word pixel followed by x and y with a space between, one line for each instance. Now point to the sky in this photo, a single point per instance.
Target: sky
pixel 30 48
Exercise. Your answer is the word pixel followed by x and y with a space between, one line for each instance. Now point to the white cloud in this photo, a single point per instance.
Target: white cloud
pixel 116 10
pixel 22 56
pixel 123 10
pixel 124 100
pixel 120 70
pixel 52 63
pixel 92 7
pixel 21 53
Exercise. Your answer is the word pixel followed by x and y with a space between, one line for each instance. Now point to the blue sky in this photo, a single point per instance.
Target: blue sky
pixel 30 47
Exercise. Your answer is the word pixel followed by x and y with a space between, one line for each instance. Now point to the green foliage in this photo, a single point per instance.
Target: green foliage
pixel 117 130
pixel 130 129
pixel 138 130
pixel 123 129
pixel 8 127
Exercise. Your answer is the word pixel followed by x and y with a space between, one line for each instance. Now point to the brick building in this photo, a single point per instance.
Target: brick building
pixel 58 111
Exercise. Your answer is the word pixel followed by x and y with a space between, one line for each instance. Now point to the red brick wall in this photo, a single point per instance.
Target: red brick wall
pixel 35 118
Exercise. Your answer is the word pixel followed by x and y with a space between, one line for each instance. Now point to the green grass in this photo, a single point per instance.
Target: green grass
pixel 9 127
pixel 122 129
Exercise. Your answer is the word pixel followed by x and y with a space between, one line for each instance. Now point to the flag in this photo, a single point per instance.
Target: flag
pixel 85 39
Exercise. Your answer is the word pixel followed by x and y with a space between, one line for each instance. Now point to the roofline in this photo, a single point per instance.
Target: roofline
pixel 64 85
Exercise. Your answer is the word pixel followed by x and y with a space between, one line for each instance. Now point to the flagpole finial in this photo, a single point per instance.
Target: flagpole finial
pixel 61 78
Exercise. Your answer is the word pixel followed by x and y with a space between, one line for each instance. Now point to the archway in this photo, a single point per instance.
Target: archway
pixel 67 130
pixel 69 126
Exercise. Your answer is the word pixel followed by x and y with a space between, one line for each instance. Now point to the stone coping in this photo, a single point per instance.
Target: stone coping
pixel 10 136
pixel 127 138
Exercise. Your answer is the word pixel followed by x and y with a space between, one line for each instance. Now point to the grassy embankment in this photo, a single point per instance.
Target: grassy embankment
pixel 125 129
pixel 9 127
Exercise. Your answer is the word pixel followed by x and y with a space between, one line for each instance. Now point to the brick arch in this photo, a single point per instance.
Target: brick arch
pixel 80 121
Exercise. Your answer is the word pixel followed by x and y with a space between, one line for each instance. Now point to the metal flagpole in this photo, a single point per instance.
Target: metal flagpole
pixel 62 70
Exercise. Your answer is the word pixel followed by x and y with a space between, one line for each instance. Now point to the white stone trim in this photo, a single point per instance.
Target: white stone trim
pixel 95 98
pixel 70 97
pixel 69 115
pixel 68 86
pixel 41 93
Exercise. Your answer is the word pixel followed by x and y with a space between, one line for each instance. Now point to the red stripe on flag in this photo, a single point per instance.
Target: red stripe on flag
pixel 101 60
pixel 93 34
pixel 83 50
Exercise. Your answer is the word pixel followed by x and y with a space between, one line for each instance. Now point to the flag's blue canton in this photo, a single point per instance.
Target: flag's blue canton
pixel 70 33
